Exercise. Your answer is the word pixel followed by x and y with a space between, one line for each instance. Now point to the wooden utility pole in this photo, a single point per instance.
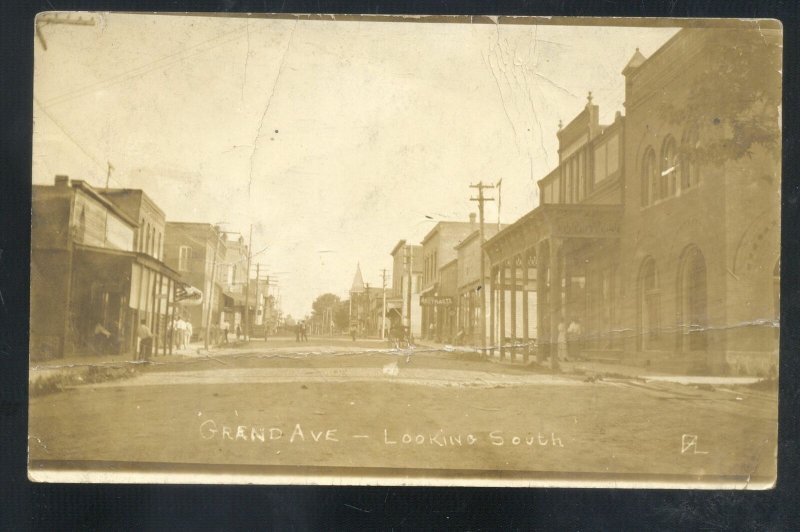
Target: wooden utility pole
pixel 247 286
pixel 409 264
pixel 481 199
pixel 264 317
pixel 383 316
pixel 211 290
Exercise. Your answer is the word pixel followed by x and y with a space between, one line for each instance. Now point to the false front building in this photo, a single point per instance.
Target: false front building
pixel 96 271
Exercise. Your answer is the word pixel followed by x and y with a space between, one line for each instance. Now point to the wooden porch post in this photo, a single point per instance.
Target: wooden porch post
pixel 542 302
pixel 502 309
pixel 556 300
pixel 492 310
pixel 513 280
pixel 525 331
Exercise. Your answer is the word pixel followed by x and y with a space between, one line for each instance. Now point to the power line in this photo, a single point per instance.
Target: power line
pixel 74 141
pixel 145 68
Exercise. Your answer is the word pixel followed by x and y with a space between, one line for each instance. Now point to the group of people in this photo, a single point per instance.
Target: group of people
pixel 181 332
pixel 301 332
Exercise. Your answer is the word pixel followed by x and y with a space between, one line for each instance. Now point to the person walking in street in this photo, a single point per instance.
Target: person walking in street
pixel 145 341
pixel 353 332
pixel 303 332
pixel 238 331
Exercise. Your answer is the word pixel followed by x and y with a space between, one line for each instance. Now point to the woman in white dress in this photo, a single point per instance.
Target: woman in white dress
pixel 562 340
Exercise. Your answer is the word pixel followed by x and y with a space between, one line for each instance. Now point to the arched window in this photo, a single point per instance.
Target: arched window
pixel 669 170
pixel 693 301
pixel 140 244
pixel 147 241
pixel 649 302
pixel 689 172
pixel 648 177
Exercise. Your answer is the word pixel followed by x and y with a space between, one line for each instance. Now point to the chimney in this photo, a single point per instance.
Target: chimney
pixel 472 216
pixel 62 181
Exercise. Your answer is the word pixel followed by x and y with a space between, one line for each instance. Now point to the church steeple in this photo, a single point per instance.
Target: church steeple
pixel 358 282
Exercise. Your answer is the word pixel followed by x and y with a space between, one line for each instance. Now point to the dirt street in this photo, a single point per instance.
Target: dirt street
pixel 427 412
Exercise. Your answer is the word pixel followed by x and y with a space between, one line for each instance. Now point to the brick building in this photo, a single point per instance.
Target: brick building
pixel 438 249
pixel 88 269
pixel 406 263
pixel 197 252
pixel 667 260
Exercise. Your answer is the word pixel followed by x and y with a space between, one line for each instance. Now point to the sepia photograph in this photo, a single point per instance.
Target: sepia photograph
pixel 396 250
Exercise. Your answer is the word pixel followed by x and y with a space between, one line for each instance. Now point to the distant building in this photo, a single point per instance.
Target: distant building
pixel 446 300
pixel 86 272
pixel 232 275
pixel 197 252
pixel 438 249
pixel 406 264
pixel 470 288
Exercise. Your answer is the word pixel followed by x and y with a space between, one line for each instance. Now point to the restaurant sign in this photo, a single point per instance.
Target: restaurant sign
pixel 435 301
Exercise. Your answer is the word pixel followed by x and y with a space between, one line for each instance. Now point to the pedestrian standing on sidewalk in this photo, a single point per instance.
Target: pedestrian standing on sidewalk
pixel 189 331
pixel 238 331
pixel 574 339
pixel 303 332
pixel 561 352
pixel 180 333
pixel 145 341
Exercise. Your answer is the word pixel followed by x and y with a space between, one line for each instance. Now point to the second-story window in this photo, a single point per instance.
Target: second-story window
pixel 669 170
pixel 689 172
pixel 184 258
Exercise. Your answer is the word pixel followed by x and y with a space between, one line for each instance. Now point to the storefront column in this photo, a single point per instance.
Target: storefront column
pixel 152 310
pixel 513 280
pixel 556 298
pixel 492 310
pixel 525 331
pixel 174 304
pixel 542 302
pixel 502 309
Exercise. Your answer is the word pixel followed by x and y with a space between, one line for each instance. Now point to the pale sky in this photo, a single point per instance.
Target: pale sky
pixel 335 139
